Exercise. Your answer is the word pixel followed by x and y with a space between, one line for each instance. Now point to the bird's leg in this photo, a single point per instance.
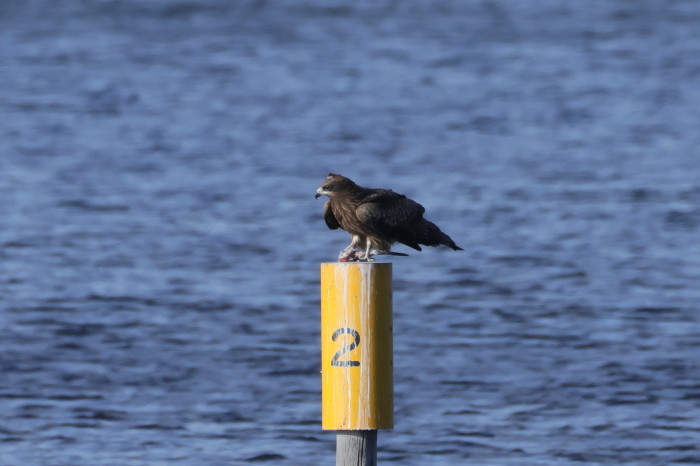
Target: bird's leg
pixel 368 258
pixel 353 252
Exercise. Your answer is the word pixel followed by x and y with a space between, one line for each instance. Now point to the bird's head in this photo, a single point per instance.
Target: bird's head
pixel 333 185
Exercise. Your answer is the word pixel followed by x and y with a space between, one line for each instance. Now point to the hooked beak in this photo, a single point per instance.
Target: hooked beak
pixel 320 192
pixel 317 196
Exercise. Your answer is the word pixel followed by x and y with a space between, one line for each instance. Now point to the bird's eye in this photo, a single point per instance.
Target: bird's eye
pixel 326 187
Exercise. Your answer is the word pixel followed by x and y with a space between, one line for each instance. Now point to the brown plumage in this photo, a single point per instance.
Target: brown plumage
pixel 376 219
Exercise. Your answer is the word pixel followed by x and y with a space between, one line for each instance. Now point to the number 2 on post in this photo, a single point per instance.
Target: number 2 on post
pixel 346 348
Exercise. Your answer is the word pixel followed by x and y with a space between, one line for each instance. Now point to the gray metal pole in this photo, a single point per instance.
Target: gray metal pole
pixel 356 448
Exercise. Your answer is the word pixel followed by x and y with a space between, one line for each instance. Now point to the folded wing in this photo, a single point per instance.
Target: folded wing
pixel 392 217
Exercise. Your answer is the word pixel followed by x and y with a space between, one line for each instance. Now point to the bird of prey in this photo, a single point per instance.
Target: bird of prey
pixel 376 219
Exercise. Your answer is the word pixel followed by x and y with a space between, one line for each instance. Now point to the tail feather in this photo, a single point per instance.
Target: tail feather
pixel 431 235
pixel 447 241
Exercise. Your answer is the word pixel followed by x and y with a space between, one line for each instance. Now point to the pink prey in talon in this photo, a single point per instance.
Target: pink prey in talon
pixel 354 254
pixel 351 254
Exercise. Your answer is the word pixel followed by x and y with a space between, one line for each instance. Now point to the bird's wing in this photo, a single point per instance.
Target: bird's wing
pixel 329 216
pixel 391 216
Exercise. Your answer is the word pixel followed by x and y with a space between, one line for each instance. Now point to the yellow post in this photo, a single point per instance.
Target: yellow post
pixel 356 346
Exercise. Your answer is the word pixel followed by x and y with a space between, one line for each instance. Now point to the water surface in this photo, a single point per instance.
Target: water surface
pixel 160 243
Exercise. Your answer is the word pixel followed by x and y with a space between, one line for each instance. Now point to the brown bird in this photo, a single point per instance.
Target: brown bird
pixel 376 219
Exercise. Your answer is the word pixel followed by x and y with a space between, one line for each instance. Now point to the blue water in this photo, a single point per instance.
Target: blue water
pixel 160 242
